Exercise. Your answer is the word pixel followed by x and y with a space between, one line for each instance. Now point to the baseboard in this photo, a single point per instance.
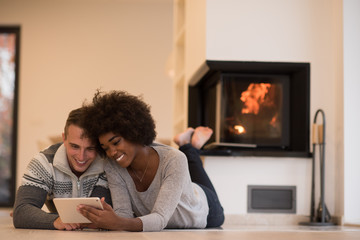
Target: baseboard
pixel 269 219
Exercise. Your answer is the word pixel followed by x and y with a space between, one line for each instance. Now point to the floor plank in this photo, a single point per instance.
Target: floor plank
pixel 7 231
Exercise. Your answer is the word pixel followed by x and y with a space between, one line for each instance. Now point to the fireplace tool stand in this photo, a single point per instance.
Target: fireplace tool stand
pixel 322 218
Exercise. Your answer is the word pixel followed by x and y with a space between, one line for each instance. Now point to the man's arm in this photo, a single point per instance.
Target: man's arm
pixel 100 192
pixel 27 209
pixel 101 189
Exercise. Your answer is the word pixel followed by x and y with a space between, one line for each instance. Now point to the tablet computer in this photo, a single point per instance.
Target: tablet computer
pixel 66 207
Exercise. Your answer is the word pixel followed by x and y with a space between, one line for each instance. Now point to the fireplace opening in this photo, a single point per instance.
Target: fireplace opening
pixel 254 108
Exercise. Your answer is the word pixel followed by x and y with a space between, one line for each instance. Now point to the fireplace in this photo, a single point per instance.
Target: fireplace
pixel 254 108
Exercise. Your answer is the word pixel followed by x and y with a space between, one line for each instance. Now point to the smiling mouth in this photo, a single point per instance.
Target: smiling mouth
pixel 119 158
pixel 81 162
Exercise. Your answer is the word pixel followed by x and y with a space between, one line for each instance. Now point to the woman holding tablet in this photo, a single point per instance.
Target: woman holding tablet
pixel 153 186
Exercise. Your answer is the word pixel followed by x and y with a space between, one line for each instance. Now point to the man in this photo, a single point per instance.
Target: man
pixel 68 169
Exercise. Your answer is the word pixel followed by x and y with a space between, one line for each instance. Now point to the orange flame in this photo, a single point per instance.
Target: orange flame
pixel 273 121
pixel 239 129
pixel 253 97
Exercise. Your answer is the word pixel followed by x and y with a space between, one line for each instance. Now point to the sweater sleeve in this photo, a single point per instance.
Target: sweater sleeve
pixel 119 193
pixel 27 209
pixel 102 192
pixel 175 176
pixel 101 189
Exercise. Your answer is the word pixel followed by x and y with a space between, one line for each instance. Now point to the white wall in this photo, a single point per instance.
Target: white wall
pixel 232 175
pixel 69 48
pixel 351 112
pixel 281 30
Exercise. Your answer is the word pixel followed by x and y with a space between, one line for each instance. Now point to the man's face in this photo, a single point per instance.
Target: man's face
pixel 80 151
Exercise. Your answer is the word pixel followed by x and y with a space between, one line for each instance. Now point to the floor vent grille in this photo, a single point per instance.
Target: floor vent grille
pixel 271 199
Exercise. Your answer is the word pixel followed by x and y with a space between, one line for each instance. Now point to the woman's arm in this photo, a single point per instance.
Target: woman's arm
pixel 107 219
pixel 121 216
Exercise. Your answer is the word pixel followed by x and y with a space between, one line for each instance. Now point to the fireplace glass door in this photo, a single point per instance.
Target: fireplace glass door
pixel 253 109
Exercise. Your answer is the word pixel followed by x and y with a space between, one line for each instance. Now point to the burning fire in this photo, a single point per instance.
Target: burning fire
pixel 253 97
pixel 273 121
pixel 239 129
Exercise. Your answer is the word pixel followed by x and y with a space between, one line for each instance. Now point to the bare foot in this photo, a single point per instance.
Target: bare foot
pixel 201 136
pixel 184 137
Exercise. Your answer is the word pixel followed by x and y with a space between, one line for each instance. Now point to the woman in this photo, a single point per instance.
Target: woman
pixel 153 186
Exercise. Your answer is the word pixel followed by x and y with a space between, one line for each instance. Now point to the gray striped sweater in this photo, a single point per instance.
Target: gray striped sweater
pixel 48 176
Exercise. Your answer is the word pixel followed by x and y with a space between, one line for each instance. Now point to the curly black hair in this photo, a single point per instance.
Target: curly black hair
pixel 120 113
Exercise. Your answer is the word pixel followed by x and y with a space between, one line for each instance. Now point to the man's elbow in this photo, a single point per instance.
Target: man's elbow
pixel 17 222
pixel 18 218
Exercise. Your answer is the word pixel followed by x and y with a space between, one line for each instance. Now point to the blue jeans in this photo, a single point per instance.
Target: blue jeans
pixel 199 176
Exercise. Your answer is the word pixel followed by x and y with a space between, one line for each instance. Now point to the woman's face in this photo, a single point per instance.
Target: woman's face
pixel 118 149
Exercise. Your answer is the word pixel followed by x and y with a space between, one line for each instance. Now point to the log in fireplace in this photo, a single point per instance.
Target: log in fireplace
pixel 255 108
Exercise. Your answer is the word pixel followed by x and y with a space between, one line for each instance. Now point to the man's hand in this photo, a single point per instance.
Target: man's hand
pixel 58 224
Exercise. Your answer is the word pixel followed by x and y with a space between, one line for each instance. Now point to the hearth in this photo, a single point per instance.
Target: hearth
pixel 255 108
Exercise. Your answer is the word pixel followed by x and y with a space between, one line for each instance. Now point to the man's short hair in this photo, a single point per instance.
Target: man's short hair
pixel 74 118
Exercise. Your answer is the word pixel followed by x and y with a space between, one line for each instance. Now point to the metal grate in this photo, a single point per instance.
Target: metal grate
pixel 272 199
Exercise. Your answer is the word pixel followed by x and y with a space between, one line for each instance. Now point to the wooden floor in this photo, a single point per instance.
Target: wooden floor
pixel 8 232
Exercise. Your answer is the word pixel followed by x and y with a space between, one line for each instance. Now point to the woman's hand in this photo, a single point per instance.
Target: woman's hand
pixel 58 224
pixel 104 219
